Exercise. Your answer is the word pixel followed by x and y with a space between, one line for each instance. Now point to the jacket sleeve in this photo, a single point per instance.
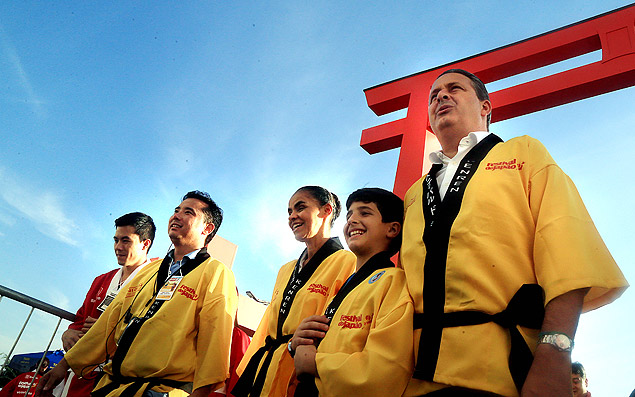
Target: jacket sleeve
pixel 569 253
pixel 384 365
pixel 215 326
pixel 92 348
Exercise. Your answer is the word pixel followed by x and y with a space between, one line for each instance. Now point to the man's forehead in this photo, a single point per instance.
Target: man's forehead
pixel 450 78
pixel 192 203
pixel 123 231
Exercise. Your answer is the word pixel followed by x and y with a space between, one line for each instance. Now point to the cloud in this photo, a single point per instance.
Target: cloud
pixel 40 206
pixel 14 59
pixel 7 219
pixel 58 298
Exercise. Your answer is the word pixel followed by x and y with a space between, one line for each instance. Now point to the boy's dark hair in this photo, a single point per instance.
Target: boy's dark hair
pixel 390 207
pixel 477 84
pixel 324 197
pixel 213 213
pixel 142 223
pixel 578 369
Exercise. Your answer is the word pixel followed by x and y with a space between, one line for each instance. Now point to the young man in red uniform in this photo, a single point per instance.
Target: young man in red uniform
pixel 24 383
pixel 132 240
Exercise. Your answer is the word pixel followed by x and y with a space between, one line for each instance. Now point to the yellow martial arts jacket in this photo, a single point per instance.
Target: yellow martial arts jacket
pixel 187 340
pixel 521 221
pixel 368 350
pixel 311 299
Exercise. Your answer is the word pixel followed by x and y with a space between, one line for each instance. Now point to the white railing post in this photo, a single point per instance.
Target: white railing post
pixel 37 371
pixel 17 339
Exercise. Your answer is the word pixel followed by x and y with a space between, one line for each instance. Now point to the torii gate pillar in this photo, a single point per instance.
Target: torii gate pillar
pixel 612 32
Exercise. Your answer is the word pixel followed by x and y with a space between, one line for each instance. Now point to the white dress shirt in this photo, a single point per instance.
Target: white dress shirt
pixel 450 164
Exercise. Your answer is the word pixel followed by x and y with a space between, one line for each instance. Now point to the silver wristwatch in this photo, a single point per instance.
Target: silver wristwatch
pixel 560 341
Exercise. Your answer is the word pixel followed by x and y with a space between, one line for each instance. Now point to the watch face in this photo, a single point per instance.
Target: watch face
pixel 562 341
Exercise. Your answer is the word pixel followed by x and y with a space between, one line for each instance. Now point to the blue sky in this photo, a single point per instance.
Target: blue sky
pixel 107 109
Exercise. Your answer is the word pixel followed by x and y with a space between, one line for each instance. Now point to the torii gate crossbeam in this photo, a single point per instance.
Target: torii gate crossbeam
pixel 612 32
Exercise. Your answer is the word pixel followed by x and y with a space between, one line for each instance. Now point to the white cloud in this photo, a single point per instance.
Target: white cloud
pixel 42 207
pixel 13 57
pixel 58 298
pixel 7 219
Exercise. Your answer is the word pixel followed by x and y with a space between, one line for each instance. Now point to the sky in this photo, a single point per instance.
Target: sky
pixel 111 108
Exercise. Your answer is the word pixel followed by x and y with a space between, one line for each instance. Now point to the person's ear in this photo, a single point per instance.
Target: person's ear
pixel 393 230
pixel 327 209
pixel 486 108
pixel 146 244
pixel 209 228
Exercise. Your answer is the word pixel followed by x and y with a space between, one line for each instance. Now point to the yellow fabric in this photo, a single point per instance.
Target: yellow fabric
pixel 521 221
pixel 311 299
pixel 368 349
pixel 187 340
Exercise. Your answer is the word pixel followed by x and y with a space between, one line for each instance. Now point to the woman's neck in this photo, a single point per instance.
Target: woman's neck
pixel 313 245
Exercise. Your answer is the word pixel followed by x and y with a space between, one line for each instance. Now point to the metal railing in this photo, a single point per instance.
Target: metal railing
pixel 35 304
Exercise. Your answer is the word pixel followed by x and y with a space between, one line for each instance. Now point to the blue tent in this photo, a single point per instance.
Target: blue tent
pixel 28 361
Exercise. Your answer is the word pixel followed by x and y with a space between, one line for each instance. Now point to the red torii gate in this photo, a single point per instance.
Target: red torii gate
pixel 612 32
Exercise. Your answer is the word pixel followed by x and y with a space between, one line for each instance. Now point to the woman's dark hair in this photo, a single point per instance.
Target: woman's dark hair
pixel 324 197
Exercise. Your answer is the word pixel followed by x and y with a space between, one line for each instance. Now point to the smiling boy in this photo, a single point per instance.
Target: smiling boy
pixel 365 337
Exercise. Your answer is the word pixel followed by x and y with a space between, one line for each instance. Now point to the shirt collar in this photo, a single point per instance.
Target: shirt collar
pixel 467 142
pixel 189 256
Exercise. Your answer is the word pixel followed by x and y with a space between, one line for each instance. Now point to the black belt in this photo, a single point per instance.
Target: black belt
pixel 135 385
pixel 252 381
pixel 454 391
pixel 526 308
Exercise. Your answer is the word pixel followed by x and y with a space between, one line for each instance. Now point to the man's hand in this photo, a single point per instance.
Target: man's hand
pixel 304 360
pixel 309 330
pixel 51 379
pixel 70 337
pixel 550 372
pixel 90 321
